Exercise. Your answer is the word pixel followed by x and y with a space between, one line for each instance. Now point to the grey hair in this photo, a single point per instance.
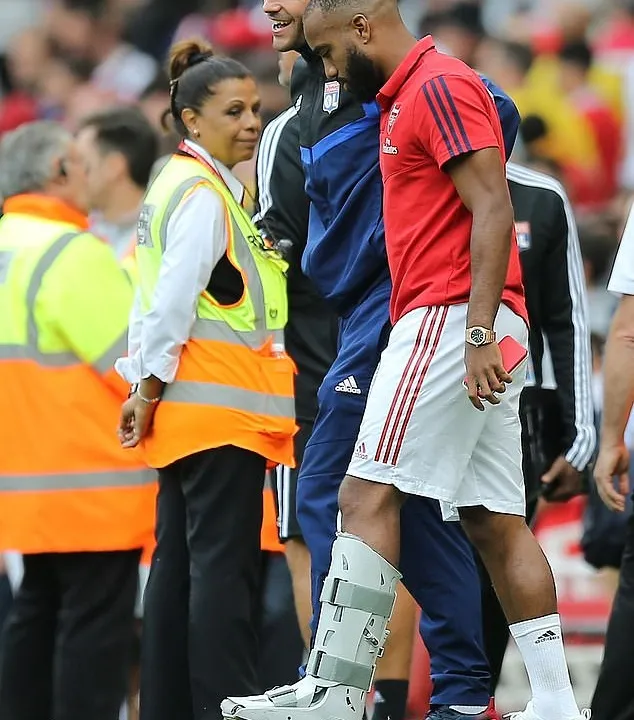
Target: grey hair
pixel 27 155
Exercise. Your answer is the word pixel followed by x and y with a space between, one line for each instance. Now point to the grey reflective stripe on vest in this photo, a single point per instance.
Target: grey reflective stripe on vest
pixel 247 263
pixel 76 481
pixel 227 396
pixel 204 329
pixel 174 202
pixel 31 350
pixel 118 349
pixel 13 352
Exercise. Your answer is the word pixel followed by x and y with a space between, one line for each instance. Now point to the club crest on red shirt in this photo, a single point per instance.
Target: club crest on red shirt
pixel 331 96
pixel 396 109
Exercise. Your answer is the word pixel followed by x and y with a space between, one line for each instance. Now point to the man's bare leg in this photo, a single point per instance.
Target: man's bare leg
pixel 372 511
pixel 298 559
pixel 524 583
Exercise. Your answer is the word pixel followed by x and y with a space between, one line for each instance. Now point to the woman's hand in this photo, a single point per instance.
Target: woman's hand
pixel 136 420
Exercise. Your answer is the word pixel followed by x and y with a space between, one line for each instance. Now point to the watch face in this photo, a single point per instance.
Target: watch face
pixel 477 336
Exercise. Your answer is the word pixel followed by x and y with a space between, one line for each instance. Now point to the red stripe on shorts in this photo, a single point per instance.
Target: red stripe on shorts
pixel 419 385
pixel 400 396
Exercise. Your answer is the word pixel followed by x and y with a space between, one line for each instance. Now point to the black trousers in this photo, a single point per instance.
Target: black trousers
pixel 281 644
pixel 67 643
pixel 199 641
pixel 614 695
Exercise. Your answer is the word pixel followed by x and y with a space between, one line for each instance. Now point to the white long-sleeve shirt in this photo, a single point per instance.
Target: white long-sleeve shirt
pixel 622 278
pixel 196 241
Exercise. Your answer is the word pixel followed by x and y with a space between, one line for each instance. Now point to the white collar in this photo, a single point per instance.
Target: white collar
pixel 235 186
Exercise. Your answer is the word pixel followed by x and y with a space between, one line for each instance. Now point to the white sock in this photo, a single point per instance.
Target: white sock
pixel 541 645
pixel 468 709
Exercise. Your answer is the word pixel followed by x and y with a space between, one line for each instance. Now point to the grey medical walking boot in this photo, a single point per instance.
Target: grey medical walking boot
pixel 356 603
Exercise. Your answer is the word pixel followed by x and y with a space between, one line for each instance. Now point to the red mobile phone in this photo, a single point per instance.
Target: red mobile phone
pixel 513 354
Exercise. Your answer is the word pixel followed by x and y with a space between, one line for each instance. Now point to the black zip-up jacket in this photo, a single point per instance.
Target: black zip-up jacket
pixel 282 214
pixel 560 362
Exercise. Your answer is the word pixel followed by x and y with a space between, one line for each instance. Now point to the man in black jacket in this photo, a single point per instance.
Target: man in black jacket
pixel 558 435
pixel 311 331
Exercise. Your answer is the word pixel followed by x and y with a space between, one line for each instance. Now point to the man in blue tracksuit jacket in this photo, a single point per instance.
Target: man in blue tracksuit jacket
pixel 345 258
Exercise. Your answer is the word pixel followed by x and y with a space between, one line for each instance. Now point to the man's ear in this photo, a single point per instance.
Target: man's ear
pixel 59 175
pixel 361 28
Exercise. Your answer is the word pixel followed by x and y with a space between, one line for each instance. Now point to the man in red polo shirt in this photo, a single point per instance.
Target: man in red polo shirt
pixel 457 289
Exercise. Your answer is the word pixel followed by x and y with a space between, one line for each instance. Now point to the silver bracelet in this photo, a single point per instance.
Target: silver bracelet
pixel 147 401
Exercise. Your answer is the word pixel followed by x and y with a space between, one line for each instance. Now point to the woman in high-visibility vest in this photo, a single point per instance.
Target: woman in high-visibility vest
pixel 212 397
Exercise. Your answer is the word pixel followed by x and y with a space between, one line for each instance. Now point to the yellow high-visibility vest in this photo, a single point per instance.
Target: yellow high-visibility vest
pixel 234 384
pixel 66 485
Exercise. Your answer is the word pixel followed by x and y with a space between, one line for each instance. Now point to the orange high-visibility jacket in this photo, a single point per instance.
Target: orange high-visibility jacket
pixel 66 485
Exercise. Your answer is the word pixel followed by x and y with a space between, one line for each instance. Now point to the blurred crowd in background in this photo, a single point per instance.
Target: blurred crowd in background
pixel 569 66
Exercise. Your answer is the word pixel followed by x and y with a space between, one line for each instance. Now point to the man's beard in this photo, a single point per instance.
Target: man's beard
pixel 363 78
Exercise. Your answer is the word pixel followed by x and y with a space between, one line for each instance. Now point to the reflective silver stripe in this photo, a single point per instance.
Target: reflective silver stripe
pixel 118 349
pixel 204 329
pixel 13 352
pixel 31 349
pixel 174 202
pixel 76 481
pixel 202 393
pixel 247 263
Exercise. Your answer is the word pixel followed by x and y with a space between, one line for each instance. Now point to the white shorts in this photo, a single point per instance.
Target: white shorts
pixel 421 433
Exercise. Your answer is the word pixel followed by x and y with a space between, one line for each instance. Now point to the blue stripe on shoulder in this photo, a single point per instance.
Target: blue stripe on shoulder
pixel 312 155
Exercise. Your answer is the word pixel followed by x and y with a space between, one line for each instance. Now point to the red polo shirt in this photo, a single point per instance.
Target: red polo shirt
pixel 434 108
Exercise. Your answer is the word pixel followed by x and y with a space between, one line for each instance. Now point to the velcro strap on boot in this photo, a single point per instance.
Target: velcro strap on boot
pixel 340 670
pixel 283 696
pixel 350 595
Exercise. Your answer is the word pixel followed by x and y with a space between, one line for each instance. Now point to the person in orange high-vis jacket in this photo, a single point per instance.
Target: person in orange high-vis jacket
pixel 72 501
pixel 212 401
pixel 120 146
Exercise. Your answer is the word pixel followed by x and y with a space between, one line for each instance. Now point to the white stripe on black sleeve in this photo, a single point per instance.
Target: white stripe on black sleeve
pixel 583 447
pixel 266 158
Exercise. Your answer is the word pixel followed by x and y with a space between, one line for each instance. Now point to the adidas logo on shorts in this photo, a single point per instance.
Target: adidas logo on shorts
pixel 360 451
pixel 349 385
pixel 548 635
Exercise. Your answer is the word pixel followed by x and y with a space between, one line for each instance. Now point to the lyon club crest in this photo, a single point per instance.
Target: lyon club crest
pixel 331 96
pixel 523 234
pixel 396 109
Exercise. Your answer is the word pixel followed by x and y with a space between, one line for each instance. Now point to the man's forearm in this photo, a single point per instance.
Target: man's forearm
pixel 490 251
pixel 618 384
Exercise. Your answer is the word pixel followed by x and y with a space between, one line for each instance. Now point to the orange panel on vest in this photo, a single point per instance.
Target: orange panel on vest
pixel 269 537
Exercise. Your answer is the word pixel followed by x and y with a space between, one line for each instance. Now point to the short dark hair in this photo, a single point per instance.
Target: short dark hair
pixel 194 71
pixel 533 128
pixel 126 130
pixel 328 6
pixel 578 53
pixel 464 16
pixel 519 54
pixel 159 84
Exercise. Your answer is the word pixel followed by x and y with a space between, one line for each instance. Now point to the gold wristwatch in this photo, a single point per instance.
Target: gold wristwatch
pixel 478 336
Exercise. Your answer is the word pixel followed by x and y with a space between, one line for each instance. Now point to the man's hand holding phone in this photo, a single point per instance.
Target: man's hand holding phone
pixel 489 367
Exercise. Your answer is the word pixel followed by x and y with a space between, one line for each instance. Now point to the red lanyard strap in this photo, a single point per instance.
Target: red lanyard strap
pixel 192 152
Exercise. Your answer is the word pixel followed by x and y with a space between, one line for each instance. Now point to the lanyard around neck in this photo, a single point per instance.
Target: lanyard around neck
pixel 192 152
pixel 266 244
